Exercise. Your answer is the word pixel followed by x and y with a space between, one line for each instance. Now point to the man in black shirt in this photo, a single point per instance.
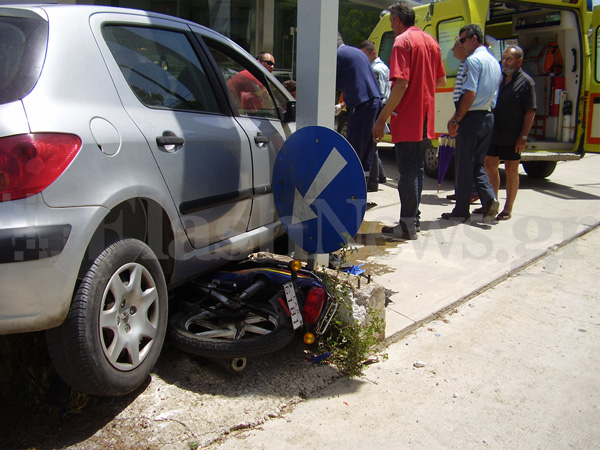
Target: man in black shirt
pixel 513 117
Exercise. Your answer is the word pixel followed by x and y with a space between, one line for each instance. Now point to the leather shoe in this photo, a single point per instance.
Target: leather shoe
pixel 382 179
pixel 474 197
pixel 372 187
pixel 490 211
pixel 450 216
pixel 398 232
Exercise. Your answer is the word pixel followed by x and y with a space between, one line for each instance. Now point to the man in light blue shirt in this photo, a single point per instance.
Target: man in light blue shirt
pixel 482 77
pixel 472 125
pixel 460 53
pixel 382 76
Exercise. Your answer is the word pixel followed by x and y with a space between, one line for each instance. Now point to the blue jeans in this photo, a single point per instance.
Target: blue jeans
pixel 410 159
pixel 472 142
pixel 360 131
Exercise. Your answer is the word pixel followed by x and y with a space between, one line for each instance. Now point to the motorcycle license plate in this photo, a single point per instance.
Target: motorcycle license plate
pixel 292 301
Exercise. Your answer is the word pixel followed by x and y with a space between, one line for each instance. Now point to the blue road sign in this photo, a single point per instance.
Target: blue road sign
pixel 319 189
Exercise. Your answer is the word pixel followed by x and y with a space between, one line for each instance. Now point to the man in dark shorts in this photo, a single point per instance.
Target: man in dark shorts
pixel 513 117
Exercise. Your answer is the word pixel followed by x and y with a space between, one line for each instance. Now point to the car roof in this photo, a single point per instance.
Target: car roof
pixel 51 9
pixel 89 9
pixel 80 11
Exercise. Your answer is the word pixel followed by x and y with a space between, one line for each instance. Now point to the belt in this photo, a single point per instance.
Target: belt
pixel 479 111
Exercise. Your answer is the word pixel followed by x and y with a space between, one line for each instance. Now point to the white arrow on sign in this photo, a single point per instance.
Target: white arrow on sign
pixel 333 165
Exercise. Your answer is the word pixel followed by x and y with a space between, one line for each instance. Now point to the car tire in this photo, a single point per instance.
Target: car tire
pixel 539 169
pixel 431 162
pixel 342 124
pixel 116 324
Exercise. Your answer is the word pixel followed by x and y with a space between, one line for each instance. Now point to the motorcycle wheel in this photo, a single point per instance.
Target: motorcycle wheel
pixel 206 333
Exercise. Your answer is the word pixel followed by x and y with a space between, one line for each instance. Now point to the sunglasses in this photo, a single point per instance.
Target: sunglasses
pixel 462 40
pixel 267 62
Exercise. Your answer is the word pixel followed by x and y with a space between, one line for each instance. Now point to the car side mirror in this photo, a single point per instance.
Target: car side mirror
pixel 290 112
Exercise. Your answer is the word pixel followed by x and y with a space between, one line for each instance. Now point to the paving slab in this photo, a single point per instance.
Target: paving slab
pixel 451 261
pixel 513 368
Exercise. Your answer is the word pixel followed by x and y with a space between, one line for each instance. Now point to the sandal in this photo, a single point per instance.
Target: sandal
pixel 503 216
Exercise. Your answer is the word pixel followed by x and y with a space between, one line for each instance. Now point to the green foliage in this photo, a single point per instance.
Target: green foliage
pixel 351 343
pixel 355 22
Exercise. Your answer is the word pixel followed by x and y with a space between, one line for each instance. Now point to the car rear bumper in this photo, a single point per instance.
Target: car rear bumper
pixel 32 243
pixel 41 250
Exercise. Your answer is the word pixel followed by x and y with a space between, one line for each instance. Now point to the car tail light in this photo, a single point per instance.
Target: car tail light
pixel 31 162
pixel 315 299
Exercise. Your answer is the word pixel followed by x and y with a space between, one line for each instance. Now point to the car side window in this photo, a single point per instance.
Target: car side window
pixel 250 95
pixel 161 67
pixel 280 99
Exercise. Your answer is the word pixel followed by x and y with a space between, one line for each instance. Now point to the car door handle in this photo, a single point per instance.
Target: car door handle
pixel 169 138
pixel 261 139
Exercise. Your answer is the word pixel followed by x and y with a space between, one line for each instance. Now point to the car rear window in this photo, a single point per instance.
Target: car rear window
pixel 22 49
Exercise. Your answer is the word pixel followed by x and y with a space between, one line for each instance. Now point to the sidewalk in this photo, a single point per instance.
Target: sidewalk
pixel 450 262
pixel 514 368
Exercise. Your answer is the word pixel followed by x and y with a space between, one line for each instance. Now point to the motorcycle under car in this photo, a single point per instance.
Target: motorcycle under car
pixel 251 312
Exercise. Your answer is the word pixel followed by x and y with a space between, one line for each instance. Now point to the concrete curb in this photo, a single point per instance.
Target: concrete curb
pixel 451 263
pixel 400 334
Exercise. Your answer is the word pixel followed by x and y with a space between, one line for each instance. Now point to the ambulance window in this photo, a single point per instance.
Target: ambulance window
pixel 597 55
pixel 448 31
pixel 385 48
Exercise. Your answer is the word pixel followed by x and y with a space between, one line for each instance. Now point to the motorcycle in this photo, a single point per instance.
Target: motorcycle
pixel 251 312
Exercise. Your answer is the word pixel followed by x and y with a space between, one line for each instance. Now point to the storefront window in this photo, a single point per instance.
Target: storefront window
pixel 235 19
pixel 240 19
pixel 285 38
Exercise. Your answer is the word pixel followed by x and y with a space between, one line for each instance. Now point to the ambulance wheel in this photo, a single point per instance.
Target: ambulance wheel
pixel 539 169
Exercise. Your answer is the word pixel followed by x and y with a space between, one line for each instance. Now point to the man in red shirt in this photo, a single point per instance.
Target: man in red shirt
pixel 416 69
pixel 249 94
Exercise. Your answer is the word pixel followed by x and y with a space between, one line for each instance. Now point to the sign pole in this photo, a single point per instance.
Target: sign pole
pixel 317 52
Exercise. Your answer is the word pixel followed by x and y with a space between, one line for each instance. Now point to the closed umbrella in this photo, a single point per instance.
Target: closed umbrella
pixel 445 152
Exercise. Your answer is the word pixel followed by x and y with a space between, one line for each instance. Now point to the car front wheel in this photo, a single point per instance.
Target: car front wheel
pixel 116 325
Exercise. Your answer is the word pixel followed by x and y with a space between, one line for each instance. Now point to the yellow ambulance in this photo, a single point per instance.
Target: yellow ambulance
pixel 562 48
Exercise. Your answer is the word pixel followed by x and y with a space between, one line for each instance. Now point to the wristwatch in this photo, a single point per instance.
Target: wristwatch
pixel 524 137
pixel 454 122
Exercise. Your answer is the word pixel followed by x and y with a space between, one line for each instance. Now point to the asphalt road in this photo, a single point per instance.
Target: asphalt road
pixel 515 367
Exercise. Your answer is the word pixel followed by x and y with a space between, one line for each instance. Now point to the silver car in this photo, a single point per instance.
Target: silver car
pixel 136 152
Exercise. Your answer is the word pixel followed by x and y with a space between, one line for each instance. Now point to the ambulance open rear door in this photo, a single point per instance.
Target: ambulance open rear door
pixel 592 132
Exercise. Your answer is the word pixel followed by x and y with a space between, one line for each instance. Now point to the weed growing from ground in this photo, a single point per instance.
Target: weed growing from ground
pixel 350 342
